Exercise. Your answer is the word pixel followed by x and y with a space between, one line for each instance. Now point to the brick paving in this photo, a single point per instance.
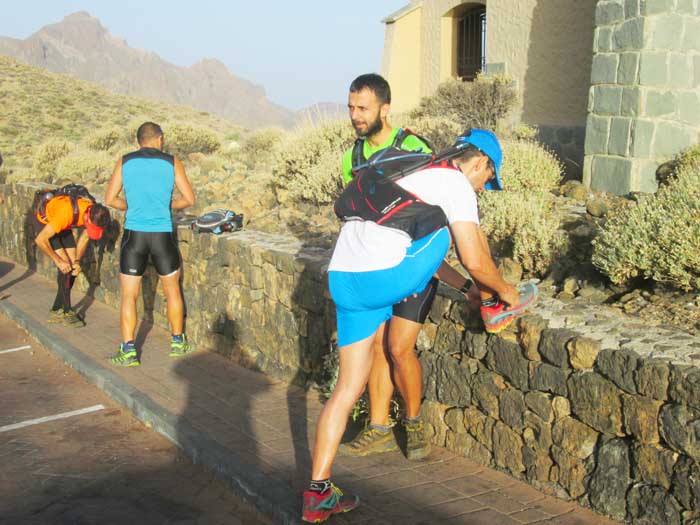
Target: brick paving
pixel 268 426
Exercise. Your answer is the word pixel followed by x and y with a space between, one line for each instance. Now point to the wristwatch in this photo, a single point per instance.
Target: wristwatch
pixel 466 286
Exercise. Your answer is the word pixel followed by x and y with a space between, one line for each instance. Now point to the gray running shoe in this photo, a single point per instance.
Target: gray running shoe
pixel 369 441
pixel 417 446
pixel 73 320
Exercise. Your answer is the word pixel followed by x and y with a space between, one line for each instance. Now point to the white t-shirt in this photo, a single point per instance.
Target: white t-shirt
pixel 365 246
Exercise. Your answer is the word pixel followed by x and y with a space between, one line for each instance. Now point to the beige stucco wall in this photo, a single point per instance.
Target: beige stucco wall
pixel 401 61
pixel 545 46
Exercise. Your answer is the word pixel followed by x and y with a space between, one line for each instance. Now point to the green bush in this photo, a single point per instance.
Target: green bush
pixel 103 139
pixel 658 237
pixel 307 164
pixel 529 166
pixel 85 167
pixel 482 103
pixel 48 156
pixel 182 139
pixel 524 226
pixel 440 131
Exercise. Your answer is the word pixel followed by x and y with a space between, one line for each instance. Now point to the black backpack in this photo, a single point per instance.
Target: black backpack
pixel 218 221
pixel 373 194
pixel 74 191
pixel 358 149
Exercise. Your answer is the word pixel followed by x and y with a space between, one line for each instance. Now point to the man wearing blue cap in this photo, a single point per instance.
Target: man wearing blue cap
pixel 374 266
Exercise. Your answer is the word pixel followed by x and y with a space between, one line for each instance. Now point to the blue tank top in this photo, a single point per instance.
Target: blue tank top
pixel 148 177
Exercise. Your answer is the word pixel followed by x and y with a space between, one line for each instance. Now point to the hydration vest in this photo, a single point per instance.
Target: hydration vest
pixel 74 191
pixel 373 194
pixel 358 149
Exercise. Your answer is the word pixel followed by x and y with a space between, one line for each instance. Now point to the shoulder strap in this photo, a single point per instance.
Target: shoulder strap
pixel 358 153
pixel 404 133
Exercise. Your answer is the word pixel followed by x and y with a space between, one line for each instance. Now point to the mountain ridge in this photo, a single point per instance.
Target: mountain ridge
pixel 81 46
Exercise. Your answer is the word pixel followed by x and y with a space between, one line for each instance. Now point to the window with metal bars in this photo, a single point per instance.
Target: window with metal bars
pixel 471 44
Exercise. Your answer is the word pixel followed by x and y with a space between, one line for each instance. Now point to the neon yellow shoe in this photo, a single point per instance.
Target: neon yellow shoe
pixel 126 356
pixel 179 346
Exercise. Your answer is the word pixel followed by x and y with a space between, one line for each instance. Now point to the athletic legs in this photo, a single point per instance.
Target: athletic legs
pixel 380 385
pixel 173 301
pixel 407 371
pixel 130 287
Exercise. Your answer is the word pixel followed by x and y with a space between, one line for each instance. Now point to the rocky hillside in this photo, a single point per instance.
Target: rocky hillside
pixel 39 106
pixel 80 46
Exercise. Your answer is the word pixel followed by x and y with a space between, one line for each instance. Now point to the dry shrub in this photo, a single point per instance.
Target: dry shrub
pixel 307 164
pixel 103 139
pixel 257 148
pixel 659 237
pixel 482 103
pixel 183 139
pixel 529 166
pixel 440 131
pixel 48 156
pixel 524 226
pixel 85 167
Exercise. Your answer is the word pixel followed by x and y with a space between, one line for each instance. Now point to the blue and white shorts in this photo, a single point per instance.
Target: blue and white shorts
pixel 364 300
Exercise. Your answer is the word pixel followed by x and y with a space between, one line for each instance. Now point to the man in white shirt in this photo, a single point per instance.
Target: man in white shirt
pixel 375 266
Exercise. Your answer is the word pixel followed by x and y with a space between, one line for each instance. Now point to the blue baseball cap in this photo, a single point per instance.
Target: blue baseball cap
pixel 487 143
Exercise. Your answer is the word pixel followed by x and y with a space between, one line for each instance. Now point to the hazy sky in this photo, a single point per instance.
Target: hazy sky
pixel 301 52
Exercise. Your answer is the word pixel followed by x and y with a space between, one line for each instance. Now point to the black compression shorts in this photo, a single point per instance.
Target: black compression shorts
pixel 416 308
pixel 137 247
pixel 62 239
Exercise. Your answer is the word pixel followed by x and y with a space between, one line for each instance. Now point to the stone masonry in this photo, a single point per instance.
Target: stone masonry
pixel 580 401
pixel 644 103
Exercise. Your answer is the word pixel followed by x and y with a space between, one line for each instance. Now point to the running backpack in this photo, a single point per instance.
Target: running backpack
pixel 218 221
pixel 373 194
pixel 358 149
pixel 74 191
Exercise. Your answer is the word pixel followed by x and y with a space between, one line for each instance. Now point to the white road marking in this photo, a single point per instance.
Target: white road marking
pixel 64 415
pixel 25 347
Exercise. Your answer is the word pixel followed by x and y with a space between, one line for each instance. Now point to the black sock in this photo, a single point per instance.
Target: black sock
pixel 491 301
pixel 58 301
pixel 320 486
pixel 68 284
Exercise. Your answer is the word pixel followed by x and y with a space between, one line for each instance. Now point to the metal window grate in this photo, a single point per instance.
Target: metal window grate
pixel 471 50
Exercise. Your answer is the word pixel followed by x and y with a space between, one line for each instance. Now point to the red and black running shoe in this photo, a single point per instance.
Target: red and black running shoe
pixel 319 507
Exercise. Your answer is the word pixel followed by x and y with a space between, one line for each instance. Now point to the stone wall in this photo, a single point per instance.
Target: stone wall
pixel 576 399
pixel 644 105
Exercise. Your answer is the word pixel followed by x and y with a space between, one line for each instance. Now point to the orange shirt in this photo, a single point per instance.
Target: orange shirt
pixel 59 213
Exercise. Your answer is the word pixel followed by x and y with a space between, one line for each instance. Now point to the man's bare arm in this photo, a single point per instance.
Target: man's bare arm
pixel 477 260
pixel 182 183
pixel 42 241
pixel 114 188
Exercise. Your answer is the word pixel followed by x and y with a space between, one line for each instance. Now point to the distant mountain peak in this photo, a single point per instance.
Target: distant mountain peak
pixel 81 46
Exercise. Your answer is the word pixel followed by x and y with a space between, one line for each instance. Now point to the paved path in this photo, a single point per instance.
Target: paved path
pixel 99 466
pixel 257 432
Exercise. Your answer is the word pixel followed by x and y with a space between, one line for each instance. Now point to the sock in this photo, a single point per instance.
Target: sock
pixel 413 419
pixel 381 428
pixel 128 346
pixel 58 301
pixel 320 486
pixel 490 302
pixel 178 338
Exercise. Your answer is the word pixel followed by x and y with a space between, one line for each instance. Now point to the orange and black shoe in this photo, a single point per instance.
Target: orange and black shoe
pixel 497 317
pixel 319 506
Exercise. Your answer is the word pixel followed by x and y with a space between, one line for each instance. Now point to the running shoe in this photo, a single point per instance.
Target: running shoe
pixel 319 507
pixel 369 441
pixel 180 347
pixel 126 356
pixel 417 446
pixel 72 319
pixel 497 317
pixel 56 316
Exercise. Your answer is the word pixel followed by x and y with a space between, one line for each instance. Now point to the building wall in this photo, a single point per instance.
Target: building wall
pixel 644 105
pixel 401 62
pixel 545 46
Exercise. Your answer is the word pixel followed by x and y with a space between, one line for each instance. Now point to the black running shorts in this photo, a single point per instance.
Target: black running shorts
pixel 137 247
pixel 416 308
pixel 62 239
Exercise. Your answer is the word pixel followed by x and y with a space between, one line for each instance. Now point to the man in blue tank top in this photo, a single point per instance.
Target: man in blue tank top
pixel 148 177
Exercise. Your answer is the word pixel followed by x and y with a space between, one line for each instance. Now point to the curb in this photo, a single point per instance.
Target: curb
pixel 269 496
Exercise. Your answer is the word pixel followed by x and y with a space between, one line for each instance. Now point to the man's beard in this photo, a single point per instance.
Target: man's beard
pixel 372 129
